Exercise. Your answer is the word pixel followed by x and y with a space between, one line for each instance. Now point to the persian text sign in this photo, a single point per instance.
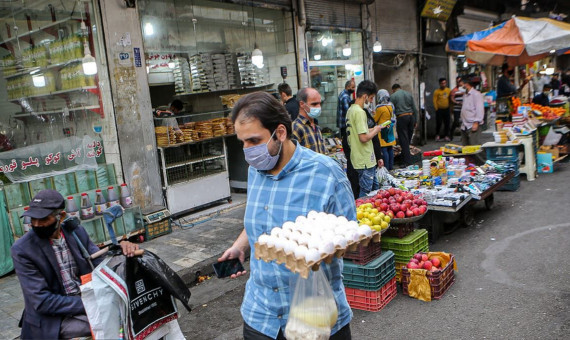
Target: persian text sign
pixel 438 9
pixel 51 158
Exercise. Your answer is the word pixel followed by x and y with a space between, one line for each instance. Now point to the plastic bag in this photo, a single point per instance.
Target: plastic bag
pixel 313 311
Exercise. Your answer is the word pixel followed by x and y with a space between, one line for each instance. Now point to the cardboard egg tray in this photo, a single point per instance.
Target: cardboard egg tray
pixel 301 266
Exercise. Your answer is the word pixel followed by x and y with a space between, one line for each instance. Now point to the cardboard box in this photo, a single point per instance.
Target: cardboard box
pixel 544 163
pixel 553 150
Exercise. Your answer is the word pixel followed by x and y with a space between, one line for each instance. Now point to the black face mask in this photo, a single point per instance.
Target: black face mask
pixel 47 231
pixel 350 91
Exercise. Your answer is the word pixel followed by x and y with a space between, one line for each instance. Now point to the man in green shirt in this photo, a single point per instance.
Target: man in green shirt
pixel 360 137
pixel 406 119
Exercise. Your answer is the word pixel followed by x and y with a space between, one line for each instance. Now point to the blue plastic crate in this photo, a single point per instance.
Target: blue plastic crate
pixel 503 153
pixel 371 276
pixel 512 185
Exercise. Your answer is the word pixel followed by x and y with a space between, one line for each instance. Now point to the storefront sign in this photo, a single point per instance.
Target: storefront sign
pixel 438 9
pixel 138 62
pixel 51 158
pixel 158 62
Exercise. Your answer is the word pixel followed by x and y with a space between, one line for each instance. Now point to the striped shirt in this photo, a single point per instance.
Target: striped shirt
pixel 309 181
pixel 308 137
pixel 67 266
pixel 342 108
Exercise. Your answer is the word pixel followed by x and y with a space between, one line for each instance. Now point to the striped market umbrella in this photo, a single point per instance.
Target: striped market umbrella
pixel 517 41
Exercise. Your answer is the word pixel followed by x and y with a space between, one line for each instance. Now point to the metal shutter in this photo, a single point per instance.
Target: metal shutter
pixel 331 13
pixel 396 24
pixel 275 4
pixel 469 25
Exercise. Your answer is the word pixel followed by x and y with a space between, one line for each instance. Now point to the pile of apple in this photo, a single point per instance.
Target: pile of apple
pixel 421 261
pixel 396 203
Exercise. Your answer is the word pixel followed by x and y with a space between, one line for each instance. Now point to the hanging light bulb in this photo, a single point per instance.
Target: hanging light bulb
pixel 39 80
pixel 347 51
pixel 257 57
pixel 317 56
pixel 148 29
pixel 89 63
pixel 377 48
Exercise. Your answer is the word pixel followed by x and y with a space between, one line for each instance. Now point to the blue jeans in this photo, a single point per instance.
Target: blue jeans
pixel 388 157
pixel 367 180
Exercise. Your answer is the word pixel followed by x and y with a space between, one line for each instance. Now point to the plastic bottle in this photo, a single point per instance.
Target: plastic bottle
pixel 27 223
pixel 100 202
pixel 71 208
pixel 112 197
pixel 126 200
pixel 86 207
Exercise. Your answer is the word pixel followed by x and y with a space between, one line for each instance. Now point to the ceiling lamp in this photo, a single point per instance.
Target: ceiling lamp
pixel 89 63
pixel 148 29
pixel 347 51
pixel 377 48
pixel 317 56
pixel 257 57
pixel 39 80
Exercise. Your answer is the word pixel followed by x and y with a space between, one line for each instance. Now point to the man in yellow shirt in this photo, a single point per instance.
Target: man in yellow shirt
pixel 442 114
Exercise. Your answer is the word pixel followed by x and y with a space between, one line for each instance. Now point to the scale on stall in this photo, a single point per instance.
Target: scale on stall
pixel 156 221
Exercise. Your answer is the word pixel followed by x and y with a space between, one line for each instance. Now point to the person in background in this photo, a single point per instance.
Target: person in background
pixel 504 86
pixel 284 181
pixel 555 84
pixel 344 102
pixel 305 130
pixel 49 265
pixel 385 112
pixel 360 137
pixel 472 114
pixel 542 98
pixel 177 106
pixel 527 89
pixel 287 98
pixel 406 119
pixel 565 86
pixel 442 114
pixel 456 97
pixel 539 80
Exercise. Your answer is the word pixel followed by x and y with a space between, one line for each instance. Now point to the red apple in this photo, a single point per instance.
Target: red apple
pixel 392 191
pixel 435 261
pixel 414 260
pixel 377 203
pixel 421 264
pixel 400 214
pixel 434 269
pixel 412 265
pixel 409 213
pixel 399 199
pixel 427 265
pixel 424 257
pixel 418 257
pixel 395 207
pixel 390 213
pixel 417 212
pixel 423 209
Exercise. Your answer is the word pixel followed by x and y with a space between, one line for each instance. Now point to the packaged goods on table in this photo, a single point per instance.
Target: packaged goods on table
pixel 302 245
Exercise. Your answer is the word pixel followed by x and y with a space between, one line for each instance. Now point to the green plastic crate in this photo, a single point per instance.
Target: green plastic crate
pixel 17 195
pixel 65 184
pixel 371 276
pixel 111 174
pixel 405 248
pixel 102 176
pixel 17 222
pixel 95 230
pixel 86 180
pixel 39 185
pixel 133 220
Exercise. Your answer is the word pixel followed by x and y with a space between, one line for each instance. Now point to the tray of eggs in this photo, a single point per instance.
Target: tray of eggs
pixel 307 242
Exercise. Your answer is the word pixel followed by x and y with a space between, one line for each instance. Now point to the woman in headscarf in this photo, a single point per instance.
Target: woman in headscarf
pixel 385 112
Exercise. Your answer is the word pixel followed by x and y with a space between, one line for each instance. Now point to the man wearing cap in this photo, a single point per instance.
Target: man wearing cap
pixel 48 263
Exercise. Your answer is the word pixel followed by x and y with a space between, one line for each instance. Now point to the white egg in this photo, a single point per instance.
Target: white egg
pixel 290 246
pixel 262 239
pixel 340 240
pixel 288 226
pixel 300 252
pixel 314 243
pixel 285 233
pixel 303 239
pixel 280 243
pixel 328 235
pixel 322 216
pixel 340 230
pixel 276 232
pixel 352 224
pixel 352 235
pixel 295 236
pixel 312 215
pixel 326 247
pixel 365 230
pixel 341 220
pixel 271 241
pixel 300 219
pixel 312 255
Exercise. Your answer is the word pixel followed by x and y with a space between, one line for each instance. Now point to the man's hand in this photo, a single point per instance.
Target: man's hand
pixel 232 253
pixel 129 248
pixel 475 127
pixel 378 128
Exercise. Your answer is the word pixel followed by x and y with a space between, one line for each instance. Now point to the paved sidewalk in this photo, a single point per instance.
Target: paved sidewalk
pixel 189 251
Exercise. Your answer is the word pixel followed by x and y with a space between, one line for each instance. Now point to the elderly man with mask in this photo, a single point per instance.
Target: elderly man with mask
pixel 284 181
pixel 305 128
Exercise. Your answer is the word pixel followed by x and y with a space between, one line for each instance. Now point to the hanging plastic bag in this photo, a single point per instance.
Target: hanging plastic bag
pixel 313 311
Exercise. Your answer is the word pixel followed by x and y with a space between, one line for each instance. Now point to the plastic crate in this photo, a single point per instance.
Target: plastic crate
pixel 364 254
pixel 371 276
pixel 439 281
pixel 399 270
pixel 505 153
pixel 156 229
pixel 399 230
pixel 512 185
pixel 372 301
pixel 404 248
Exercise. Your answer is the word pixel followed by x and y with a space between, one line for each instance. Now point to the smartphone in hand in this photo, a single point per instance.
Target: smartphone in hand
pixel 227 268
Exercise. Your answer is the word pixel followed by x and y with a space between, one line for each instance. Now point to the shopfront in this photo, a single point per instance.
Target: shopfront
pixel 206 54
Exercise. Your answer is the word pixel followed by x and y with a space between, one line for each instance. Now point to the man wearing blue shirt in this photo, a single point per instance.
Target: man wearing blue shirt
pixel 285 180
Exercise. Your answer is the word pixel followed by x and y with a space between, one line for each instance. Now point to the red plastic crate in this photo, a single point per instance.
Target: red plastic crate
pixel 371 301
pixel 364 254
pixel 439 281
pixel 399 230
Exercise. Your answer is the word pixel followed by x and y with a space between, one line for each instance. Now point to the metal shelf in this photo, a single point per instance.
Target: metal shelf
pixel 193 142
pixel 41 69
pixel 29 114
pixel 237 88
pixel 193 161
pixel 55 23
pixel 55 93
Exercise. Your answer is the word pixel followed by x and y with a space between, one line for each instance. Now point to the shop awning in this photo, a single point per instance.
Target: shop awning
pixel 518 41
